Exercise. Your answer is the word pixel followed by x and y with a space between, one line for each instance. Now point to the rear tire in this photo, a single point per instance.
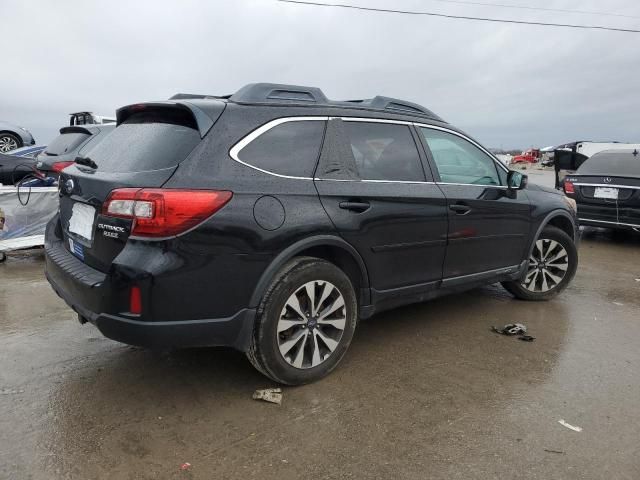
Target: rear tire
pixel 305 322
pixel 9 142
pixel 552 265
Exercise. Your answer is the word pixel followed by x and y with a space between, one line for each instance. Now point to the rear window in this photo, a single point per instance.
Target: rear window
pixel 291 148
pixel 66 143
pixel 147 140
pixel 95 139
pixel 618 164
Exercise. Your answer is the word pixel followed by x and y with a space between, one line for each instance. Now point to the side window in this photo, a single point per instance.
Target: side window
pixel 384 151
pixel 291 148
pixel 459 161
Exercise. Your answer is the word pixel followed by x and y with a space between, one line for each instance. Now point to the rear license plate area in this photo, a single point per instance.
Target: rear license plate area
pixel 81 222
pixel 606 193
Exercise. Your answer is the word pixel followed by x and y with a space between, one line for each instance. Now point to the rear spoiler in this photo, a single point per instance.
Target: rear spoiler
pixel 205 114
pixel 76 129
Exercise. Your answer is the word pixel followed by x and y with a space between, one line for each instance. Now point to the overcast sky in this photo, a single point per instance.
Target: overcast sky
pixel 507 85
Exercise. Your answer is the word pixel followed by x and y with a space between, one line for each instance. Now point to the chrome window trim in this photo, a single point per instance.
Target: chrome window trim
pixel 243 142
pixel 474 185
pixel 606 185
pixel 611 223
pixel 419 182
pixel 373 120
pixel 237 148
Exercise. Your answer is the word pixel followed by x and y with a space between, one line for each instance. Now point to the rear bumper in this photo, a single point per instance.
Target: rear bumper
pixel 90 293
pixel 608 216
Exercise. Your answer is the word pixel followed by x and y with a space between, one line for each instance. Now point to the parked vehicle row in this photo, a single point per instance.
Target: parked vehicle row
pixel 274 219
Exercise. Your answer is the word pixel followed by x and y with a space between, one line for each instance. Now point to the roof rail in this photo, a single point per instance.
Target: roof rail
pixel 277 93
pixel 393 104
pixel 270 92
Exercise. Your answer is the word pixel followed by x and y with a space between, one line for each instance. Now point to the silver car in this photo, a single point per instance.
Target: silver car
pixel 12 137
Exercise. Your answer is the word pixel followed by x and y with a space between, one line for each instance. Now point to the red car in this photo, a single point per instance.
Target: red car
pixel 529 156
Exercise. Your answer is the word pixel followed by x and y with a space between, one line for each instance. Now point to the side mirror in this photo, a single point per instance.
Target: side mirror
pixel 516 180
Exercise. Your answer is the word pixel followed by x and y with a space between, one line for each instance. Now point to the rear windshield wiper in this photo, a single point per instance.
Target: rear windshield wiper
pixel 86 161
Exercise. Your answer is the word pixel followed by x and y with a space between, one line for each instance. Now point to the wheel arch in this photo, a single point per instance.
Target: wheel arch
pixel 15 134
pixel 327 247
pixel 559 219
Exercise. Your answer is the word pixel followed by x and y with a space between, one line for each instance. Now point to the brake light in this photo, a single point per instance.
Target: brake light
pixel 159 212
pixel 59 166
pixel 568 187
pixel 135 300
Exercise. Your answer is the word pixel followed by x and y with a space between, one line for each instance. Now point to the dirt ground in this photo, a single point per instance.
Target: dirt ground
pixel 426 391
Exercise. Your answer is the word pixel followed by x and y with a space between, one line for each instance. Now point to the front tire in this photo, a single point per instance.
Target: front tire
pixel 9 141
pixel 552 265
pixel 305 322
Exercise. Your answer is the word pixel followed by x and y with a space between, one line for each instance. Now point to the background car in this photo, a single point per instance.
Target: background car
pixel 606 189
pixel 14 168
pixel 12 137
pixel 71 143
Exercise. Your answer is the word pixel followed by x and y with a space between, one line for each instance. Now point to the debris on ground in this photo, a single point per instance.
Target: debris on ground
pixel 554 451
pixel 185 466
pixel 272 395
pixel 620 304
pixel 569 426
pixel 511 329
pixel 526 338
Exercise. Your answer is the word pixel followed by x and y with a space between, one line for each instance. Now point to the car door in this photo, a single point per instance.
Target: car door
pixel 488 223
pixel 372 184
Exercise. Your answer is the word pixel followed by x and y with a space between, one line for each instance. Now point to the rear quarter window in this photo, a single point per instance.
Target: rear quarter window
pixel 291 148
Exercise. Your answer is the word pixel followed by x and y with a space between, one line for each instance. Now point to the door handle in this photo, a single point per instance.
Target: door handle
pixel 460 209
pixel 358 207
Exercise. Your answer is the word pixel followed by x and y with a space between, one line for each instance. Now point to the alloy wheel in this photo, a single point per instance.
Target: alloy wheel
pixel 311 324
pixel 548 265
pixel 7 144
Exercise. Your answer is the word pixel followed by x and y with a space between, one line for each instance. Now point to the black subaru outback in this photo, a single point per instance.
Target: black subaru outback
pixel 273 219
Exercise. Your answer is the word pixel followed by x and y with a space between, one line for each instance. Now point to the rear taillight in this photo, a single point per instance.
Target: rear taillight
pixel 59 166
pixel 568 187
pixel 158 212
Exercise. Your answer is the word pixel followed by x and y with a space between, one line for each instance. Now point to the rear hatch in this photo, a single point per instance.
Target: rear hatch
pixel 145 149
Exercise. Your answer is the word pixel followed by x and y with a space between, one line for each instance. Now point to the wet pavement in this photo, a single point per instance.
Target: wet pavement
pixel 426 391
